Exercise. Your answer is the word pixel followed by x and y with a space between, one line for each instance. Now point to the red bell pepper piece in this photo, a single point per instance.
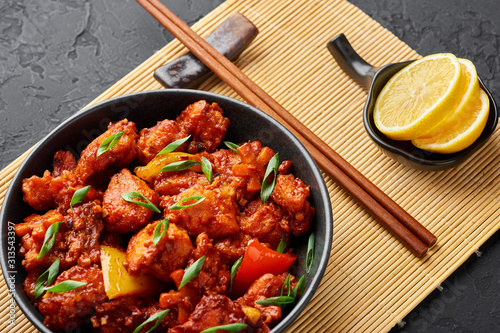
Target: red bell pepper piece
pixel 257 261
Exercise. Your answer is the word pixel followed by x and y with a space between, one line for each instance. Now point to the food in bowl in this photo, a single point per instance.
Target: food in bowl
pixel 172 226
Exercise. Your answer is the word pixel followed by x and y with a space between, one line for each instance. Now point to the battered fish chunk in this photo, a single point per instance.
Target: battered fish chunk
pixel 154 139
pixel 63 160
pixel 268 285
pixel 52 191
pixel 211 311
pixel 173 183
pixel 124 314
pixel 291 194
pixel 215 215
pixel 120 315
pixel 267 222
pixel 214 277
pixel 206 124
pixel 183 300
pixel 83 241
pixel 30 284
pixel 218 273
pixel 121 154
pixel 223 160
pixel 32 231
pixel 68 310
pixel 171 253
pixel 232 248
pixel 246 168
pixel 76 242
pixel 122 216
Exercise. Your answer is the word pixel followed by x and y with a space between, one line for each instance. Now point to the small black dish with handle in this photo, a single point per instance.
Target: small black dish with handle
pixel 373 80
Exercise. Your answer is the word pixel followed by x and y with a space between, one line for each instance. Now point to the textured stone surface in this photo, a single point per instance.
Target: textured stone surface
pixel 57 56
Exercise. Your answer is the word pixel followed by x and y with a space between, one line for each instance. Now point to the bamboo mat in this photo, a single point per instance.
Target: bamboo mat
pixel 371 281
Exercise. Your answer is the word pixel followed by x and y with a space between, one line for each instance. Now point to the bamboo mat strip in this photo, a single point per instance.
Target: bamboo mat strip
pixel 372 282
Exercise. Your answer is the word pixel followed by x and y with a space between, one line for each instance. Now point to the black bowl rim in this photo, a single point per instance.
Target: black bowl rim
pixel 27 309
pixel 413 160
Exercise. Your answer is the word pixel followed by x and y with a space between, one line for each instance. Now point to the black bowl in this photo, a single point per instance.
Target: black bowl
pixel 373 80
pixel 145 109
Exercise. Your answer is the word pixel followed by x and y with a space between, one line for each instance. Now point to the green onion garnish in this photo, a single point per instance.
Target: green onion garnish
pixel 234 270
pixel 130 196
pixel 206 167
pixel 310 253
pixel 287 285
pixel 49 239
pixel 192 271
pixel 158 317
pixel 291 295
pixel 231 328
pixel 267 188
pixel 233 146
pixel 179 166
pixel 178 205
pixel 108 143
pixel 173 145
pixel 156 234
pixel 278 300
pixel 79 195
pixel 46 278
pixel 282 244
pixel 66 286
pixel 299 287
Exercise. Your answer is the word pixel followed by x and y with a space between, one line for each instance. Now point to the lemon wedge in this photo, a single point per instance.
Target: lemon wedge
pixel 459 130
pixel 419 96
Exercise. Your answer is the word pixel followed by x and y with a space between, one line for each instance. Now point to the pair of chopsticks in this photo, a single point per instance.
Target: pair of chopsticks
pixel 401 224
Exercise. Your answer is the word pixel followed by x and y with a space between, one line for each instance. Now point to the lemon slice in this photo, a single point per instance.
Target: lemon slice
pixel 469 89
pixel 459 130
pixel 418 97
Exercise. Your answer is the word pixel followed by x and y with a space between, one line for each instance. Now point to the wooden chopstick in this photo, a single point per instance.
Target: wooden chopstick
pixel 391 215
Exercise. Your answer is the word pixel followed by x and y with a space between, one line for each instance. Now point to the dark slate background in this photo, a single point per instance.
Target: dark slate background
pixel 57 56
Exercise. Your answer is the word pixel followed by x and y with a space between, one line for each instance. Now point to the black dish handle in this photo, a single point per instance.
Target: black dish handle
pixel 350 62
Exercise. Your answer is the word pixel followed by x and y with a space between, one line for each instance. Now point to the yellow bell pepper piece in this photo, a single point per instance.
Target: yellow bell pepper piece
pixel 151 170
pixel 118 282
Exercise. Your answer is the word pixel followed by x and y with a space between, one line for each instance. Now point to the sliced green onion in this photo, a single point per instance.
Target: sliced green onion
pixel 310 253
pixel 192 271
pixel 178 205
pixel 233 146
pixel 79 195
pixel 179 166
pixel 130 196
pixel 231 328
pixel 173 145
pixel 287 285
pixel 299 287
pixel 282 244
pixel 66 286
pixel 156 234
pixel 108 143
pixel 158 317
pixel 49 239
pixel 206 167
pixel 267 188
pixel 234 270
pixel 46 278
pixel 278 300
